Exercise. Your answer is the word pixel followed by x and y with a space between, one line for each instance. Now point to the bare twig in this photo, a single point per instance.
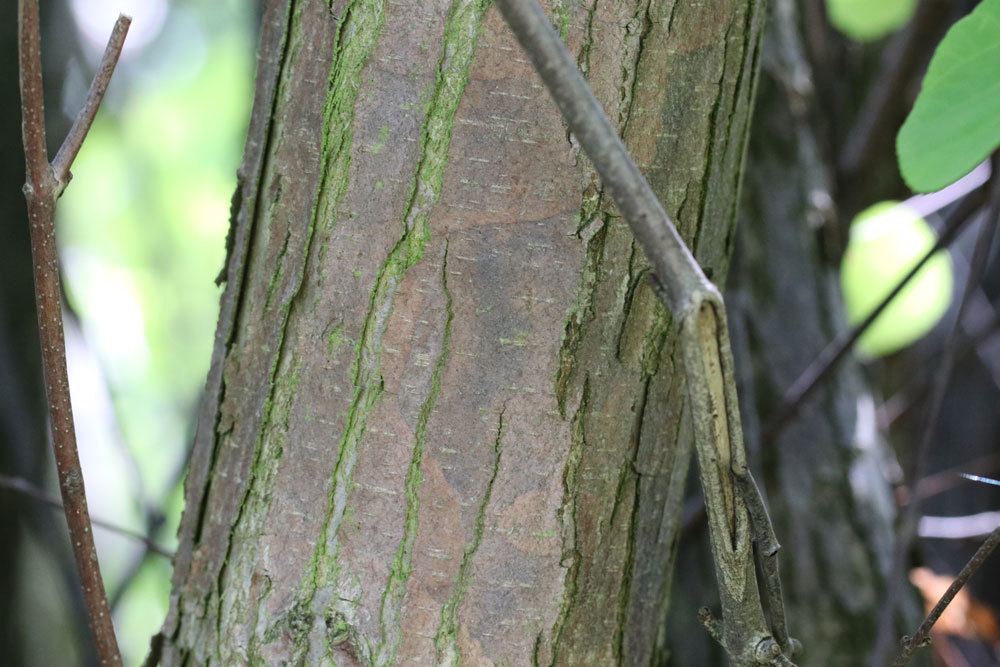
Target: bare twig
pixel 945 480
pixel 673 264
pixel 922 636
pixel 909 523
pixel 32 102
pixel 41 191
pixel 29 490
pixel 81 126
pixel 831 356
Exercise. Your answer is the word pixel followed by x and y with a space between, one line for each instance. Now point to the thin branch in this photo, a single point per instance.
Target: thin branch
pixel 36 155
pixel 672 261
pixel 81 126
pixel 909 523
pixel 922 636
pixel 41 191
pixel 831 356
pixel 29 490
pixel 947 479
pixel 766 543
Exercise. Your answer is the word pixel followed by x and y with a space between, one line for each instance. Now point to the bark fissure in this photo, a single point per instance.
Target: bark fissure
pixel 751 69
pixel 630 73
pixel 399 573
pixel 271 435
pixel 445 639
pixel 357 34
pixel 631 469
pixel 251 505
pixel 710 140
pixel 356 38
pixel 571 556
pixel 457 49
pixel 235 272
pixel 588 38
pixel 238 263
pixel 582 309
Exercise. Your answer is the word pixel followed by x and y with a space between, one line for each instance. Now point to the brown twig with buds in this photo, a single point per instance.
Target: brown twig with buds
pixel 45 182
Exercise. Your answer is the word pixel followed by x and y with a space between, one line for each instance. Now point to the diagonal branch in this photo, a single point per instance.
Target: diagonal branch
pixel 672 261
pixel 41 191
pixel 29 490
pixel 81 126
pixel 922 636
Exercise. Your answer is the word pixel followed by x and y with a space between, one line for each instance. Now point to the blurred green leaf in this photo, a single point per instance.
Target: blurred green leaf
pixel 955 122
pixel 867 20
pixel 886 241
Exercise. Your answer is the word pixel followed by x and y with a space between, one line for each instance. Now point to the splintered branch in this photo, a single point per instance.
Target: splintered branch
pixel 44 184
pixel 737 520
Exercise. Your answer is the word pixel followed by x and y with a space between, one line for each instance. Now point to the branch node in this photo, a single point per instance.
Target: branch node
pixel 767 651
pixel 44 182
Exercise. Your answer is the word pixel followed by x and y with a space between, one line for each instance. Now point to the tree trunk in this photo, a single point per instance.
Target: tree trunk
pixel 444 420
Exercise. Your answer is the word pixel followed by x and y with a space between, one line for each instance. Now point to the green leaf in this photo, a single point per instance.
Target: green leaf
pixel 955 122
pixel 867 20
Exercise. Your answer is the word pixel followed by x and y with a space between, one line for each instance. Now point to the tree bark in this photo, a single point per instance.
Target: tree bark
pixel 444 422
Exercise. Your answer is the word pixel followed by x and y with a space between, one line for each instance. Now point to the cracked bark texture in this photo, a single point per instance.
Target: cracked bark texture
pixel 444 423
pixel 824 477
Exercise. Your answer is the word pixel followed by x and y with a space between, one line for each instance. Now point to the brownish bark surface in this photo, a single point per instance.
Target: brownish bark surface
pixel 443 422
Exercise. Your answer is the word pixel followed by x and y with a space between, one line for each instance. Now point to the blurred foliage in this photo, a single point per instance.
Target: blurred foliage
pixel 955 122
pixel 886 242
pixel 142 229
pixel 867 20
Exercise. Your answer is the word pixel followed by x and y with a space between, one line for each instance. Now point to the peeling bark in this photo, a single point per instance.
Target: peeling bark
pixel 444 423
